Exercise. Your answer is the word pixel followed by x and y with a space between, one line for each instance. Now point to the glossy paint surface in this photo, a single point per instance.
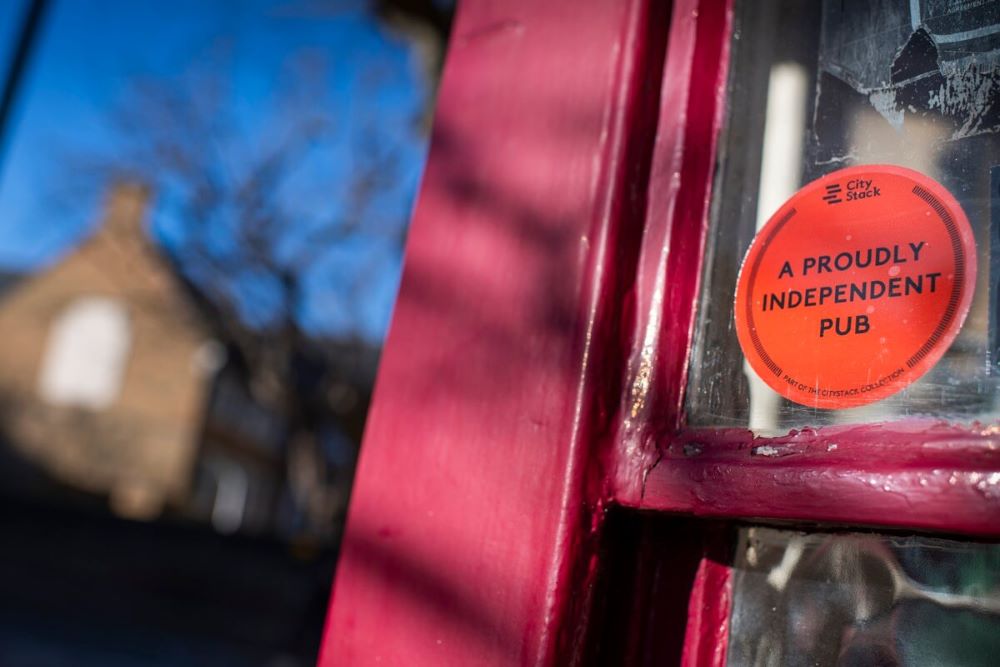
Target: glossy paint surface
pixel 669 267
pixel 472 501
pixel 706 638
pixel 923 475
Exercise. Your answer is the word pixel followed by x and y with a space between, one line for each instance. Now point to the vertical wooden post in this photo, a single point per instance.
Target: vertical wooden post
pixel 476 491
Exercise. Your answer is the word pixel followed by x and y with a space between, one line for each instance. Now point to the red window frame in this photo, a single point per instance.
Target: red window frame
pixel 535 367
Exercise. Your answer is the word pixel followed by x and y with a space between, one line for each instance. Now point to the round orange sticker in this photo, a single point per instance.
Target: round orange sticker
pixel 856 286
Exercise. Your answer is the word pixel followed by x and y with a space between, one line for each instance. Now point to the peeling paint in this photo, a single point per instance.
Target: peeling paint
pixel 940 68
pixel 771 451
pixel 693 449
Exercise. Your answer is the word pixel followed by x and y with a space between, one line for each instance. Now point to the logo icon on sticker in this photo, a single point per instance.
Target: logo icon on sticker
pixel 842 305
pixel 832 195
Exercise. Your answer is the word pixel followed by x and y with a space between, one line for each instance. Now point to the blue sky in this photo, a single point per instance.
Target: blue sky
pixel 88 52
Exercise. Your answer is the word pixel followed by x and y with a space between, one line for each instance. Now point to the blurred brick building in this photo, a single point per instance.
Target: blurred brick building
pixel 112 383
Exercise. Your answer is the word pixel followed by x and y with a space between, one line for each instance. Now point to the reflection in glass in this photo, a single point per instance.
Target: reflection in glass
pixel 201 224
pixel 861 599
pixel 202 211
pixel 815 87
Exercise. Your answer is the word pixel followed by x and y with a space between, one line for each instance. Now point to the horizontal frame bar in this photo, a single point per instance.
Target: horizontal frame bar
pixel 921 475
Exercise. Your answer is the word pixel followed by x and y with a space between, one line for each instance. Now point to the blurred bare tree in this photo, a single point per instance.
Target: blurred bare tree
pixel 235 185
pixel 232 220
pixel 236 227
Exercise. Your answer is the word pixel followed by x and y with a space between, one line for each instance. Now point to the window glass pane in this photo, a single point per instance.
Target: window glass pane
pixel 11 19
pixel 203 206
pixel 85 354
pixel 863 599
pixel 816 87
pixel 236 178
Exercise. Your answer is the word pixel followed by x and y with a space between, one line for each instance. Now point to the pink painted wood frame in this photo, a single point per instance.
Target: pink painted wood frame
pixel 535 369
pixel 918 475
pixel 709 604
pixel 665 288
pixel 480 486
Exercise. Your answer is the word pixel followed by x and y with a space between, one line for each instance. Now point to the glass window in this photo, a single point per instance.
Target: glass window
pixel 86 354
pixel 202 213
pixel 238 176
pixel 11 15
pixel 815 87
pixel 863 599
